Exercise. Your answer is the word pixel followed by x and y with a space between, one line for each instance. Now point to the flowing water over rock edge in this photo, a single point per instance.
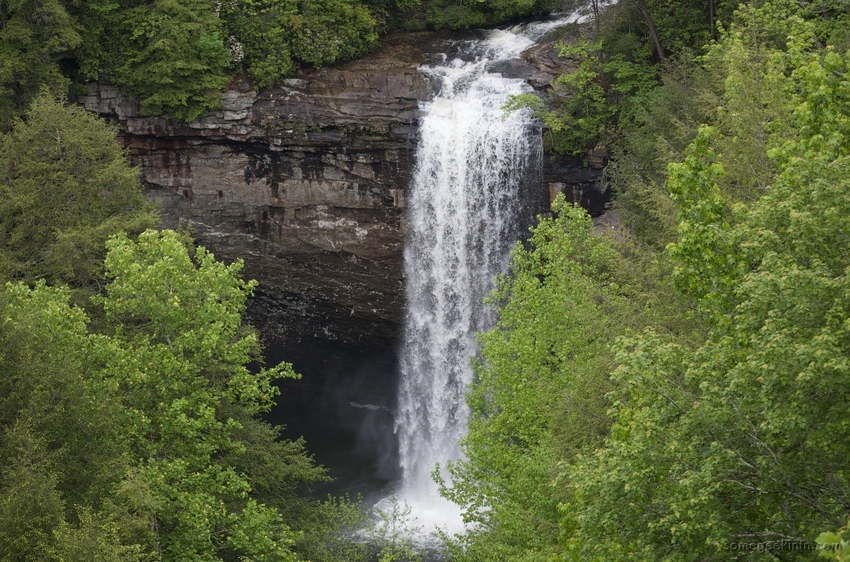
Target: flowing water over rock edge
pixel 467 205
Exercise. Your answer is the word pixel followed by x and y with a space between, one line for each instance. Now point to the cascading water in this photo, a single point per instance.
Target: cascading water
pixel 464 210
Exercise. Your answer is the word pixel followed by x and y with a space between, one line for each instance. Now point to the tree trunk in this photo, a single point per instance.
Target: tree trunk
pixel 643 10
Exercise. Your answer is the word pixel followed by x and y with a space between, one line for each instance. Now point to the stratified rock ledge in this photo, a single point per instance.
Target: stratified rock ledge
pixel 306 183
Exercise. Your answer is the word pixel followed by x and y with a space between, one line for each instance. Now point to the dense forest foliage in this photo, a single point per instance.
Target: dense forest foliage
pixel 674 388
pixel 669 389
pixel 130 423
pixel 176 56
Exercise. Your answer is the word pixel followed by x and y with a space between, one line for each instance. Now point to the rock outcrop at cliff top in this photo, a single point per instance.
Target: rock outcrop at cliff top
pixel 305 182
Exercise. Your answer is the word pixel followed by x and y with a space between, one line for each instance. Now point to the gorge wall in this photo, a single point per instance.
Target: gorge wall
pixel 307 182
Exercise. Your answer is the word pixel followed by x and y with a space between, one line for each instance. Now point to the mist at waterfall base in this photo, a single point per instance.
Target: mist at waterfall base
pixel 382 419
pixel 344 407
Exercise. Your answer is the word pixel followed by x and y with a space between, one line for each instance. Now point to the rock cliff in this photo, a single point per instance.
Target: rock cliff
pixel 307 184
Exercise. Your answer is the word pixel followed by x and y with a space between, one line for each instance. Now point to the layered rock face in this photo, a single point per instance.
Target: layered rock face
pixel 306 183
pixel 580 179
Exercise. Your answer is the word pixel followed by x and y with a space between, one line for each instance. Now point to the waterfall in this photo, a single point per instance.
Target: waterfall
pixel 473 163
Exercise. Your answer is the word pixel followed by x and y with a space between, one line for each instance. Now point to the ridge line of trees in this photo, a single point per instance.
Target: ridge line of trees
pixel 675 389
pixel 176 56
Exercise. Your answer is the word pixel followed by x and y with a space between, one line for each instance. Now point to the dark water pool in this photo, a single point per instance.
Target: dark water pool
pixel 344 407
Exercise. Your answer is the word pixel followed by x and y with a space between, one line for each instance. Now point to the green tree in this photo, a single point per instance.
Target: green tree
pixel 391 534
pixel 176 58
pixel 734 440
pixel 655 129
pixel 271 37
pixel 741 86
pixel 143 439
pixel 260 28
pixel 61 450
pixel 65 187
pixel 578 113
pixel 34 36
pixel 540 398
pixel 715 428
pixel 439 14
pixel 178 357
pixel 834 546
pixel 328 31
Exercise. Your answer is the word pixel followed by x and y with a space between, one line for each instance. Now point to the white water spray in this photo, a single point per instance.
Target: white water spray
pixel 464 209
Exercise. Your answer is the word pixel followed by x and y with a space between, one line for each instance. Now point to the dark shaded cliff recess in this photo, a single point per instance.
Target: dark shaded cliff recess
pixel 306 183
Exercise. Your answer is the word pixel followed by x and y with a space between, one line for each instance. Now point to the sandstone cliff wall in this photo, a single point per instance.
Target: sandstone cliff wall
pixel 307 184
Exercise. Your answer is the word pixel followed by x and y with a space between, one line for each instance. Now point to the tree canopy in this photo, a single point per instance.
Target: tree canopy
pixel 125 441
pixel 130 423
pixel 177 56
pixel 65 187
pixel 692 409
